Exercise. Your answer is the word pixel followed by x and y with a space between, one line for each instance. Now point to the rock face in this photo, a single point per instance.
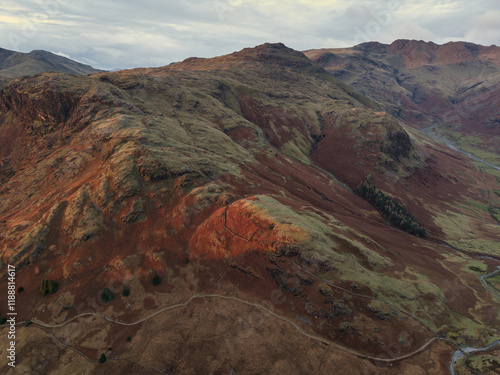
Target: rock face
pixel 231 179
pixel 243 227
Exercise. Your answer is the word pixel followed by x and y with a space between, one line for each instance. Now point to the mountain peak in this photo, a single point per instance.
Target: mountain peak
pixel 276 54
pixel 415 53
pixel 15 64
pixel 419 53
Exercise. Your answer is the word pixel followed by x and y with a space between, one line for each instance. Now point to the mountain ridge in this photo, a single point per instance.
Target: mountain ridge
pixel 450 88
pixel 235 178
pixel 417 53
pixel 15 64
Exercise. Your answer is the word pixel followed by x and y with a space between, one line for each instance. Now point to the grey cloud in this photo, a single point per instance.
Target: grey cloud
pixel 123 34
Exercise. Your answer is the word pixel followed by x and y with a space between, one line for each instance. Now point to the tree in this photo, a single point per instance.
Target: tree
pixel 156 279
pixel 103 358
pixel 126 291
pixel 48 287
pixel 107 296
pixel 395 213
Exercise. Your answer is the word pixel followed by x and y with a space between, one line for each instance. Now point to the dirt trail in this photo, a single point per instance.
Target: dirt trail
pixel 46 327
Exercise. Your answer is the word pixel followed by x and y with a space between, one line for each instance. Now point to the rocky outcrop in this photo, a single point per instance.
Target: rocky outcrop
pixel 243 227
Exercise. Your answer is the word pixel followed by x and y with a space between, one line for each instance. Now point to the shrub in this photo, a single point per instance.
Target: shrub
pixel 20 289
pixel 107 296
pixel 48 287
pixel 103 358
pixel 3 320
pixel 156 279
pixel 129 338
pixel 126 291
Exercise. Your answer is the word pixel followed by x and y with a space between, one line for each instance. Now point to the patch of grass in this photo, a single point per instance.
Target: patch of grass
pixel 478 205
pixel 475 267
pixel 483 364
pixel 494 282
pixel 464 331
pixel 482 246
pixel 382 310
pixel 454 225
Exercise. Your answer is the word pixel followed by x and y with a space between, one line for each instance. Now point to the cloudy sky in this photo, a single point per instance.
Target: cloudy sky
pixel 111 34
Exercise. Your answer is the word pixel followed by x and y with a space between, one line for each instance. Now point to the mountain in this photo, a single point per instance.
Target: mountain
pixel 452 86
pixel 16 64
pixel 248 213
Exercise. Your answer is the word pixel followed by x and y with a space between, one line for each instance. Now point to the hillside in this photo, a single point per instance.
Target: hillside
pixel 201 215
pixel 16 64
pixel 452 86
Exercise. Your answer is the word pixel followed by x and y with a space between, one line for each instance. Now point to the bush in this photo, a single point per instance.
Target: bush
pixel 103 358
pixel 107 296
pixel 20 289
pixel 48 287
pixel 156 279
pixel 3 320
pixel 129 338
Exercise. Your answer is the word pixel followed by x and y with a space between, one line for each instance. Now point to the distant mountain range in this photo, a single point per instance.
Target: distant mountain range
pixel 15 64
pixel 453 86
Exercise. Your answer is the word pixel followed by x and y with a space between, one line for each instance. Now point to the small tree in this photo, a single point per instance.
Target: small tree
pixel 126 291
pixel 107 296
pixel 48 287
pixel 103 358
pixel 156 279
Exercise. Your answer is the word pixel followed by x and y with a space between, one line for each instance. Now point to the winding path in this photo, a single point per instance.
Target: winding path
pixel 46 327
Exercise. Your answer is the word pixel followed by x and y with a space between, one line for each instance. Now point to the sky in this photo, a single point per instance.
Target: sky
pixel 120 34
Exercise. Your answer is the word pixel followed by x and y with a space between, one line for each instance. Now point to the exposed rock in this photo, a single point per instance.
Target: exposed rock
pixel 136 209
